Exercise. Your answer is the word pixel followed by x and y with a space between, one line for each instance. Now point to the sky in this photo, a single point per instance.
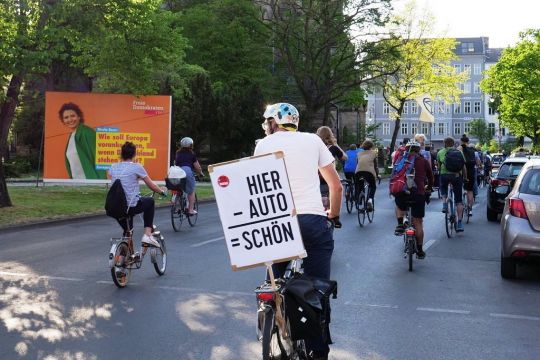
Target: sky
pixel 500 20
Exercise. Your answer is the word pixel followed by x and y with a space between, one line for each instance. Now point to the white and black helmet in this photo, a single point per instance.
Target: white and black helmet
pixel 186 142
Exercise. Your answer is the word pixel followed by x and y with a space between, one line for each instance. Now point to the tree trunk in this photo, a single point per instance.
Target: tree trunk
pixel 395 134
pixel 7 111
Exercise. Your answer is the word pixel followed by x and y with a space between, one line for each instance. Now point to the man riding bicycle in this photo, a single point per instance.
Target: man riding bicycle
pixel 452 166
pixel 423 179
pixel 305 153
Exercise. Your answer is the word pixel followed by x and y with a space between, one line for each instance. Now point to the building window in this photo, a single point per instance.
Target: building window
pixel 467 87
pixel 491 128
pixel 466 107
pixel 414 128
pixel 406 107
pixel 386 108
pixel 457 128
pixel 477 69
pixel 441 107
pixel 466 128
pixel 477 107
pixel 424 128
pixel 467 69
pixel 491 111
pixel 386 129
pixel 457 68
pixel 503 130
pixel 476 87
pixel 457 108
pixel 414 107
pixel 404 129
pixel 467 47
pixel 442 128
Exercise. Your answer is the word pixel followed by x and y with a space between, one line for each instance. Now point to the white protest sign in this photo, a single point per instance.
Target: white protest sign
pixel 256 209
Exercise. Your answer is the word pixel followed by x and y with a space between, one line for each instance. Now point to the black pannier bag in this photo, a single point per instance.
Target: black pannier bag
pixel 307 306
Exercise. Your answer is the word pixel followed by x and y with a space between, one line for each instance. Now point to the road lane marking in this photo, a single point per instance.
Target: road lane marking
pixel 449 311
pixel 385 306
pixel 44 277
pixel 208 241
pixel 510 316
pixel 429 244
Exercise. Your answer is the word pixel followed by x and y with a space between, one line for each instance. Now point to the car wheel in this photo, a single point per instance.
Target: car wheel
pixel 491 215
pixel 508 268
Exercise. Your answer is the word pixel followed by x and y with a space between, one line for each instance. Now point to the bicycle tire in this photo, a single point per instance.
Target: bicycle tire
pixel 448 223
pixel 120 272
pixel 466 206
pixel 410 253
pixel 349 200
pixel 159 257
pixel 192 219
pixel 271 349
pixel 361 211
pixel 176 213
pixel 370 214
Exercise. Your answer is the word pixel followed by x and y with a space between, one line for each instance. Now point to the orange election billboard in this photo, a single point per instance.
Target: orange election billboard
pixel 85 131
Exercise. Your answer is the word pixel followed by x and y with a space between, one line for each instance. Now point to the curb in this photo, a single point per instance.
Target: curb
pixel 39 223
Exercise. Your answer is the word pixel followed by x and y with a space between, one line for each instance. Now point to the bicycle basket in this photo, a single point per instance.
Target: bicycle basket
pixel 175 184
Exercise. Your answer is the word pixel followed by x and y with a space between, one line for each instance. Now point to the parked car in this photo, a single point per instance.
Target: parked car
pixel 520 222
pixel 496 160
pixel 501 184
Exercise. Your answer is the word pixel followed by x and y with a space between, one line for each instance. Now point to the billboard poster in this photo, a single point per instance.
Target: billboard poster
pixel 84 133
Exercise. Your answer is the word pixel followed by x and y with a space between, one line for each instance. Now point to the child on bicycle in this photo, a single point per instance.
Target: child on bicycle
pixel 130 172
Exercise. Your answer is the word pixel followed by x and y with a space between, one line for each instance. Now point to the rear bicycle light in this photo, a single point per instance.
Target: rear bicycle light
pixel 265 296
pixel 517 208
pixel 409 232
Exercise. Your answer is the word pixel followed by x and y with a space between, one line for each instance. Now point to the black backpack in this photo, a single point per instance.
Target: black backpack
pixel 116 204
pixel 469 153
pixel 453 160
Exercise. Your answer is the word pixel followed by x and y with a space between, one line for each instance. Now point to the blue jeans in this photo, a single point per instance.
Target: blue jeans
pixel 318 239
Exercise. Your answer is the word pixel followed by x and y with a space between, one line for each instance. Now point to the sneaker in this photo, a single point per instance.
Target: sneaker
pixel 399 230
pixel 420 253
pixel 149 241
pixel 470 212
pixel 369 205
pixel 459 227
pixel 194 212
pixel 445 208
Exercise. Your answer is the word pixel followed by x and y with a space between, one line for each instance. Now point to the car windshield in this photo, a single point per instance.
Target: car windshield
pixel 508 170
pixel 497 158
pixel 531 182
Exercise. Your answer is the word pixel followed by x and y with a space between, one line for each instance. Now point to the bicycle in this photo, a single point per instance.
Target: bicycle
pixel 179 204
pixel 123 258
pixel 450 221
pixel 273 327
pixel 350 200
pixel 409 238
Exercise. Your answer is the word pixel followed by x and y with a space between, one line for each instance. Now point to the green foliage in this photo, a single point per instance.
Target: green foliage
pixel 493 146
pixel 514 83
pixel 480 130
pixel 17 166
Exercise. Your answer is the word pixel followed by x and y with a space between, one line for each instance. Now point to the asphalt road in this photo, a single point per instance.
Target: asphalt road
pixel 57 300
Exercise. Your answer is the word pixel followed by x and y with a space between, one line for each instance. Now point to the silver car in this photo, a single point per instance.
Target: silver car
pixel 520 222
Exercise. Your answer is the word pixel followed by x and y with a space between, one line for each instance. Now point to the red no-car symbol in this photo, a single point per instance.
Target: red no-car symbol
pixel 223 181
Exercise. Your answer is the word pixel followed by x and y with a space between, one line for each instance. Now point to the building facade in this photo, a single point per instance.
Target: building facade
pixel 473 57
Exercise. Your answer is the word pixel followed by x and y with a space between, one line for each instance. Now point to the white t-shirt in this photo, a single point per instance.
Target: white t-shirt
pixel 72 155
pixel 129 174
pixel 304 153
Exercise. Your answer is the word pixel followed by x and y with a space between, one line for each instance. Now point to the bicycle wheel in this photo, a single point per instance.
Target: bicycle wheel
pixel 177 213
pixel 159 257
pixel 192 219
pixel 466 206
pixel 360 210
pixel 121 271
pixel 371 212
pixel 448 222
pixel 410 252
pixel 349 200
pixel 274 346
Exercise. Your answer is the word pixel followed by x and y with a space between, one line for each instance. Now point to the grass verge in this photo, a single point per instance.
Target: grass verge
pixel 35 204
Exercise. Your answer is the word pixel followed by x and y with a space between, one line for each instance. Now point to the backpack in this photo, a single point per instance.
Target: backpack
pixel 402 180
pixel 469 153
pixel 453 160
pixel 115 203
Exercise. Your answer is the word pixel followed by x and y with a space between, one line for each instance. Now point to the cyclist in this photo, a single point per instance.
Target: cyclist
pixel 187 160
pixel 368 169
pixel 328 138
pixel 451 155
pixel 423 179
pixel 305 154
pixel 472 161
pixel 350 164
pixel 130 172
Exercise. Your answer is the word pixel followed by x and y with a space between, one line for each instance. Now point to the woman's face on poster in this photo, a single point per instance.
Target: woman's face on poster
pixel 71 119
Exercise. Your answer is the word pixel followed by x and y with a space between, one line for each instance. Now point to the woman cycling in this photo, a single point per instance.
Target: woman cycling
pixel 327 136
pixel 187 160
pixel 367 168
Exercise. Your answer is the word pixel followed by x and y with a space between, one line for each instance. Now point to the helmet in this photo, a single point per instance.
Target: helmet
pixel 284 114
pixel 186 142
pixel 413 143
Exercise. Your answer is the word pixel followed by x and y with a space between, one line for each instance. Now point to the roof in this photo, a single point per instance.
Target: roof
pixel 471 46
pixel 493 55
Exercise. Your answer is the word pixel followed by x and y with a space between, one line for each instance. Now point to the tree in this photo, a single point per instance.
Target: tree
pixel 423 65
pixel 480 130
pixel 111 43
pixel 326 46
pixel 515 82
